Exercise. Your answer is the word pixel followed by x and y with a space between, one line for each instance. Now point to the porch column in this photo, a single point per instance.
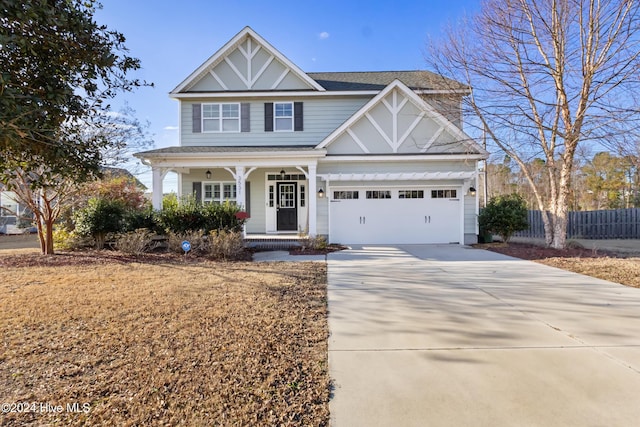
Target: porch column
pixel 313 210
pixel 241 180
pixel 156 188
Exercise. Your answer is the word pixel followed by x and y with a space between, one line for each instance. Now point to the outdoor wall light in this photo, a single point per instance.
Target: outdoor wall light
pixel 208 174
pixel 472 191
pixel 282 172
pixel 321 193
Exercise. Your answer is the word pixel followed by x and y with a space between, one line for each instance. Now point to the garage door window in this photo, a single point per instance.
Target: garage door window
pixel 444 194
pixel 378 194
pixel 344 195
pixel 411 194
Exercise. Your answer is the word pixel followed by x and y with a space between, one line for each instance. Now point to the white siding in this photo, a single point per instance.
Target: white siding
pixel 470 217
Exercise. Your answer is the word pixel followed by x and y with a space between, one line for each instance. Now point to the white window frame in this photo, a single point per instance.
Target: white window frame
pixel 220 192
pixel 276 117
pixel 221 119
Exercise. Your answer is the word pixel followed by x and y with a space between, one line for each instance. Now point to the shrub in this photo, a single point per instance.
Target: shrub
pixel 135 219
pixel 135 242
pixel 227 245
pixel 70 241
pixel 199 244
pixel 504 215
pixel 316 243
pixel 191 215
pixel 99 218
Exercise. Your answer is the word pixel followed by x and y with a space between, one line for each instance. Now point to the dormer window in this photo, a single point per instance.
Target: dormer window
pixel 221 117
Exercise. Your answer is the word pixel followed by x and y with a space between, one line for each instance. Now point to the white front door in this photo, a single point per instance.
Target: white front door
pixel 395 216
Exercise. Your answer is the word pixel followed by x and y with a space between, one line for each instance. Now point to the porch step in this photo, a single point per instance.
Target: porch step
pixel 273 242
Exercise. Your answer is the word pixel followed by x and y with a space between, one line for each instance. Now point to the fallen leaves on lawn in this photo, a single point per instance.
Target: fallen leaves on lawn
pixel 165 343
pixel 594 263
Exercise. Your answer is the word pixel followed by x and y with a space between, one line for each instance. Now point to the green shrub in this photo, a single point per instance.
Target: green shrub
pixel 191 215
pixel 99 218
pixel 226 245
pixel 135 219
pixel 504 215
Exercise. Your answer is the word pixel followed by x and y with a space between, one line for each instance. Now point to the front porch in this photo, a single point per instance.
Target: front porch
pixel 277 186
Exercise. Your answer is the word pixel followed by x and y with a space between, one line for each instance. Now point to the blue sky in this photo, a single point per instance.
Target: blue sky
pixel 173 38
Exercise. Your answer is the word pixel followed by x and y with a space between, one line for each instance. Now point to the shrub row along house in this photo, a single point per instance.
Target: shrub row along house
pixel 360 157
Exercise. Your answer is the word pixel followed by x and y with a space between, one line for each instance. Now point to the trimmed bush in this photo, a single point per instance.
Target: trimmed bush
pixel 191 215
pixel 504 215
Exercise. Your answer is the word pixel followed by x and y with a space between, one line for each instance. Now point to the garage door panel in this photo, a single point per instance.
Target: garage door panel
pixel 395 220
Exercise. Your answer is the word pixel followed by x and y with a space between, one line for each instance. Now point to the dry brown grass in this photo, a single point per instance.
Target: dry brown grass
pixel 165 343
pixel 620 270
pixel 608 266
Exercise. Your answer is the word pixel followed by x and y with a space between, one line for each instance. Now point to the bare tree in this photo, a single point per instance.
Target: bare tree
pixel 548 76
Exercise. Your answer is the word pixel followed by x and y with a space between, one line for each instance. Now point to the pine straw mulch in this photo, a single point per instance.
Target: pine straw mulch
pixel 610 266
pixel 162 341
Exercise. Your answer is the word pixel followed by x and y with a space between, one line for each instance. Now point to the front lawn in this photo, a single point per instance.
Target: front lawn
pixel 161 341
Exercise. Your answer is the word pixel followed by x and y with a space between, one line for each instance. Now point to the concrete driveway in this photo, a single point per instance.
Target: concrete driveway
pixel 453 336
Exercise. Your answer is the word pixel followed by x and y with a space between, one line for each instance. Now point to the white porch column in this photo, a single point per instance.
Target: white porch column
pixel 156 188
pixel 241 180
pixel 313 197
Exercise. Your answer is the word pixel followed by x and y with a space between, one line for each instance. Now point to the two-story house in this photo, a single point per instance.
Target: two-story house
pixel 360 157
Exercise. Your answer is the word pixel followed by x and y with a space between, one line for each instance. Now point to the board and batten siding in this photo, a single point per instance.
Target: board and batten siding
pixel 321 117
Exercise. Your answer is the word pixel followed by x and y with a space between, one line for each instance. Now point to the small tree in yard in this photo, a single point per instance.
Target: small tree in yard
pixel 44 193
pixel 504 215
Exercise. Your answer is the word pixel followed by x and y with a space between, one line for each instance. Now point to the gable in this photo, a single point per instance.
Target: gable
pixel 397 121
pixel 247 63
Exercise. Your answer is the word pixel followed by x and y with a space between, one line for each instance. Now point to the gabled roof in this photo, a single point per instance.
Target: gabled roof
pixel 418 101
pixel 229 46
pixel 378 80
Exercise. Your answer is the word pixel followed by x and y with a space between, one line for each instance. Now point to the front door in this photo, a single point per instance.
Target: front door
pixel 287 210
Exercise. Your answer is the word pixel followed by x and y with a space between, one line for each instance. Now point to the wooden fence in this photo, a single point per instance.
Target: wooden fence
pixel 605 224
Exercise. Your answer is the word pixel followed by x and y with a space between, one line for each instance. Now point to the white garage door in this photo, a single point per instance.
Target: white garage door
pixel 395 216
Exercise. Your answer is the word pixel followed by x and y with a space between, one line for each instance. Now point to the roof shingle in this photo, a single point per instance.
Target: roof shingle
pixel 378 80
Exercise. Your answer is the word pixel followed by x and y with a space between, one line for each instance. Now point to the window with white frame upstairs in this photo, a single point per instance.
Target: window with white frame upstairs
pixel 221 117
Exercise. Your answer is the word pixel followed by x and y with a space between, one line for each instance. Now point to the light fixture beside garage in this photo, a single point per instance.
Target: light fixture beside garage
pixel 320 193
pixel 208 174
pixel 472 191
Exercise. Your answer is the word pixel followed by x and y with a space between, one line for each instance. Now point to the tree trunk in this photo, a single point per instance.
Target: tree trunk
pixel 49 250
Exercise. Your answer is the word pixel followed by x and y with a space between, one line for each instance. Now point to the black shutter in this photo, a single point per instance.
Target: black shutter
pixel 247 197
pixel 245 117
pixel 297 116
pixel 268 116
pixel 197 191
pixel 197 118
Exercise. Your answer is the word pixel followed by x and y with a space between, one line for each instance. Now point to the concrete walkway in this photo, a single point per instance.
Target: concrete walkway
pixel 453 336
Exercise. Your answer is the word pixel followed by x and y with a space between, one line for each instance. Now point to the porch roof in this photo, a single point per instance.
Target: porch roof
pixel 198 150
pixel 227 156
pixel 401 176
